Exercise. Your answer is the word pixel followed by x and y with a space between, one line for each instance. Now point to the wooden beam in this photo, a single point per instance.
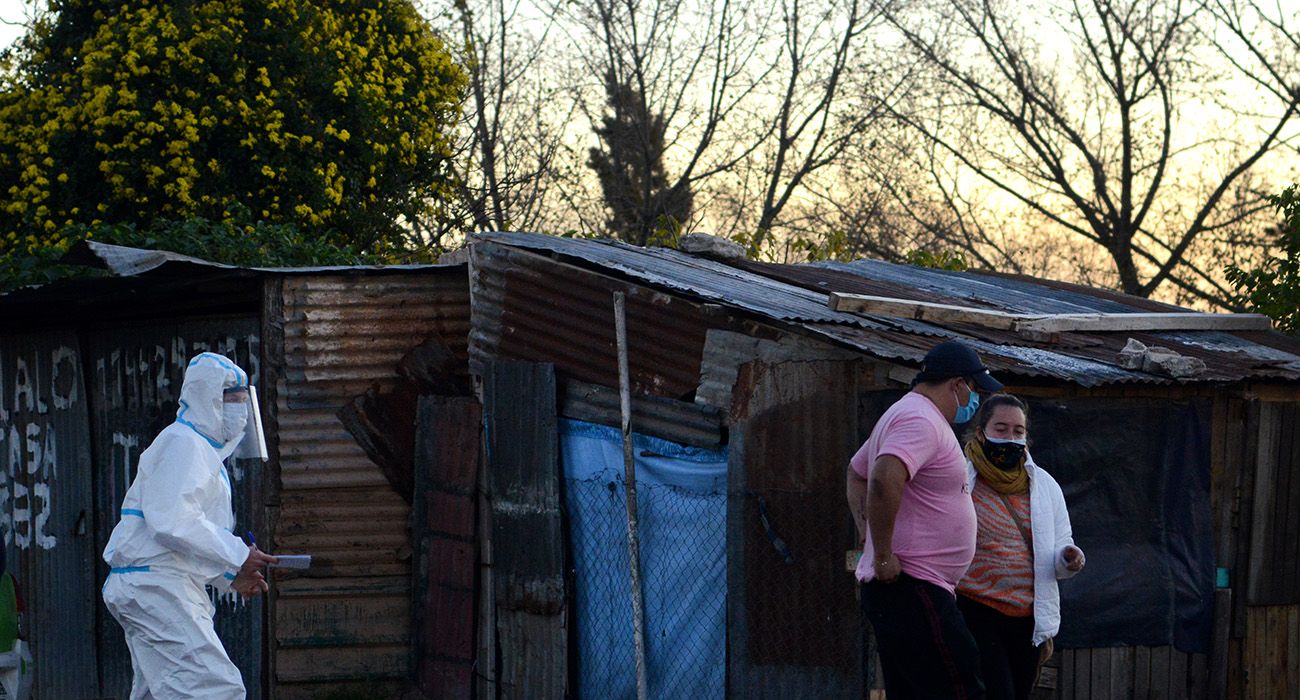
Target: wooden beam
pixel 1047 323
pixel 922 310
pixel 1190 321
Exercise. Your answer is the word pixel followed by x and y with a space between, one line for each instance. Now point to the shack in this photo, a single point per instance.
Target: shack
pixel 1171 433
pixel 445 442
pixel 90 371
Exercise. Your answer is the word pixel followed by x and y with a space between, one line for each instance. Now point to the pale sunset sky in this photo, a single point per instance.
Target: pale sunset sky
pixel 12 13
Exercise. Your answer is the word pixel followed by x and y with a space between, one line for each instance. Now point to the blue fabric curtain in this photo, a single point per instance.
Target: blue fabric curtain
pixel 682 509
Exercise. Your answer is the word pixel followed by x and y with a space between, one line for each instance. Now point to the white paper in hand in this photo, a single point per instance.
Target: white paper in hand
pixel 292 561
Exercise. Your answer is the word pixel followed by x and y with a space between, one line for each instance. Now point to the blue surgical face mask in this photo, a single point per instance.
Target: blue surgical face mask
pixel 967 412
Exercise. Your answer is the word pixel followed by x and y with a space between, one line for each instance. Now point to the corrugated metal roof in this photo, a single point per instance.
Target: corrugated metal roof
pixel 704 278
pixel 1018 294
pixel 797 294
pixel 150 283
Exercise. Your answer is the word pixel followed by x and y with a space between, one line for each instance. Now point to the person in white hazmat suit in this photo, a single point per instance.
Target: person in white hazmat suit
pixel 175 537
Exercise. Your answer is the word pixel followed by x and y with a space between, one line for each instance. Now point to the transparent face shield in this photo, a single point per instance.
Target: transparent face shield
pixel 253 443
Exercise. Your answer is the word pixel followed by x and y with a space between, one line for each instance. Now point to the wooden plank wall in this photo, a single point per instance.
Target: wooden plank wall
pixel 1270 658
pixel 1131 672
pixel 530 614
pixel 1232 459
pixel 1275 521
pixel 1264 653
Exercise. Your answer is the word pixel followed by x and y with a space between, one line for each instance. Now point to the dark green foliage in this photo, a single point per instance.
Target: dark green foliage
pixel 332 123
pixel 941 260
pixel 1273 287
pixel 236 241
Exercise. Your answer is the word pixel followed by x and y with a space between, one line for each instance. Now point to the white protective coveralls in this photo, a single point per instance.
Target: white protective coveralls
pixel 175 537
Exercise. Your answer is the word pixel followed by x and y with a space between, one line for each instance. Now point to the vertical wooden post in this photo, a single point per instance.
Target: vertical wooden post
pixel 1219 650
pixel 530 591
pixel 629 478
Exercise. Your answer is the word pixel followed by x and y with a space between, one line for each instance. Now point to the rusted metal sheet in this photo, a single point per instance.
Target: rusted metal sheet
pixel 342 334
pixel 384 423
pixel 686 423
pixel 46 506
pixel 530 307
pixel 135 375
pixel 529 562
pixel 793 623
pixel 725 352
pixel 338 337
pixel 448 444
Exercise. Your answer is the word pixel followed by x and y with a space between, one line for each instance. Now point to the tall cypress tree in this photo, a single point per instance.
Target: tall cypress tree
pixel 630 167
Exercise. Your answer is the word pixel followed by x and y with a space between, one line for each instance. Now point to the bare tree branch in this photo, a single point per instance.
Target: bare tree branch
pixel 1094 154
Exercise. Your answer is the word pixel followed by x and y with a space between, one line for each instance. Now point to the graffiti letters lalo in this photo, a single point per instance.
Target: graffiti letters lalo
pixel 39 392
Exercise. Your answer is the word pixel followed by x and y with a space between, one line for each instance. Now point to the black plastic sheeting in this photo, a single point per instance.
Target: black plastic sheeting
pixel 1136 477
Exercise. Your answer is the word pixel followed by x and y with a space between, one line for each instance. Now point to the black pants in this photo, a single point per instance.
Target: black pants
pixel 1008 658
pixel 925 649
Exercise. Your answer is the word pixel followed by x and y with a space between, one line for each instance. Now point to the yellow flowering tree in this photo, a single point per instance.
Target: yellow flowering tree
pixel 335 118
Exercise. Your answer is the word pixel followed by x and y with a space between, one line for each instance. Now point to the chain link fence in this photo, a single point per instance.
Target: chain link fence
pixel 682 537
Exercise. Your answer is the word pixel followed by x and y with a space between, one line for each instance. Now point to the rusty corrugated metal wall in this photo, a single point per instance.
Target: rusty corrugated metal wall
pixel 793 627
pixel 448 449
pixel 329 338
pixel 530 307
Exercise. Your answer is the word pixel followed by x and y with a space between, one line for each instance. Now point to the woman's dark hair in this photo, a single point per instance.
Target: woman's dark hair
pixel 988 406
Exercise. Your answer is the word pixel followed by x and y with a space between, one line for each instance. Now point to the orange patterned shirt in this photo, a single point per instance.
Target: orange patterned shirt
pixel 1002 573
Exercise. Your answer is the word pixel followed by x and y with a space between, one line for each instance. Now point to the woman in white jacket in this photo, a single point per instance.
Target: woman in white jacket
pixel 1009 595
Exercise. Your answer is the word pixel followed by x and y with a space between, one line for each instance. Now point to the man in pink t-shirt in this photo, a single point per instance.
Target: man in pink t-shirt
pixel 908 493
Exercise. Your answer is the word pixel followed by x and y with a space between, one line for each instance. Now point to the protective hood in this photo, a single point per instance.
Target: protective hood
pixel 206 379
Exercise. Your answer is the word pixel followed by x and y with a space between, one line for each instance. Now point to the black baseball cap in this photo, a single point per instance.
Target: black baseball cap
pixel 956 359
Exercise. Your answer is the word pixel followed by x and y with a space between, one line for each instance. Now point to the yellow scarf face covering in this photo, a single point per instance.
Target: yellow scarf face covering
pixel 1008 482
